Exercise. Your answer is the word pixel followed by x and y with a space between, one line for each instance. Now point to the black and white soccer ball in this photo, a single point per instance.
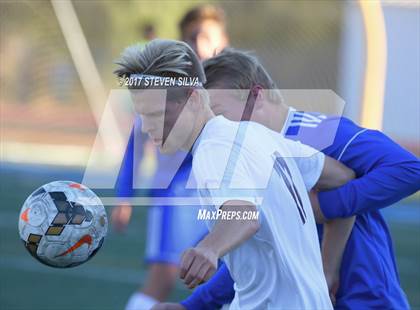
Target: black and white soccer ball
pixel 63 224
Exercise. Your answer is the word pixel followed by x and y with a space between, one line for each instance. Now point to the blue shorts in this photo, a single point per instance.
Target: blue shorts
pixel 170 231
pixel 173 229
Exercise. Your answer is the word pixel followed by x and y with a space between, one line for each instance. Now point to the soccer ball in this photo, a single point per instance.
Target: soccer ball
pixel 63 224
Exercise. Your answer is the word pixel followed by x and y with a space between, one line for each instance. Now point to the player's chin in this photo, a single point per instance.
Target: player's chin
pixel 167 150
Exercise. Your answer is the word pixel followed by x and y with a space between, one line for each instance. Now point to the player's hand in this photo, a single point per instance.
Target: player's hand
pixel 168 306
pixel 120 216
pixel 333 281
pixel 197 266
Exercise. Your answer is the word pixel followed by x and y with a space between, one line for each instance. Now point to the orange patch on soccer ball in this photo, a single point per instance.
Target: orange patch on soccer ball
pixel 76 185
pixel 24 215
pixel 85 239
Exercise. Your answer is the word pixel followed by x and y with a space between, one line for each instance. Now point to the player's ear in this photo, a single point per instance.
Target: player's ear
pixel 195 100
pixel 258 94
pixel 256 90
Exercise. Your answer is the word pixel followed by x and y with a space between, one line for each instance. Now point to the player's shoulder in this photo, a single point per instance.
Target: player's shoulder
pixel 222 132
pixel 224 142
pixel 218 131
pixel 213 145
pixel 320 130
pixel 316 119
pixel 344 123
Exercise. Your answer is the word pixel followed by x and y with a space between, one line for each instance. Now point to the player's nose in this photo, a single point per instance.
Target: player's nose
pixel 146 126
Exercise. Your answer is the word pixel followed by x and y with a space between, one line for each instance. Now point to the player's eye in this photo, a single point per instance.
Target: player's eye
pixel 154 114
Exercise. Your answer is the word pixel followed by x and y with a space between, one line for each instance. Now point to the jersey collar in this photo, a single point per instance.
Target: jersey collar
pixel 289 118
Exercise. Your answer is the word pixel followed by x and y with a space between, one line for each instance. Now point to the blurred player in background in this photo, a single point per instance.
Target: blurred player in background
pixel 121 214
pixel 275 259
pixel 204 29
pixel 149 32
pixel 368 277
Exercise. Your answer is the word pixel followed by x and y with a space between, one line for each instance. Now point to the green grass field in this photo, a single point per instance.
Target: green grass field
pixel 106 281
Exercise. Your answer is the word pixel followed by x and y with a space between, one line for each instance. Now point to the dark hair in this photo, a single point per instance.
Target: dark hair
pixel 198 15
pixel 148 31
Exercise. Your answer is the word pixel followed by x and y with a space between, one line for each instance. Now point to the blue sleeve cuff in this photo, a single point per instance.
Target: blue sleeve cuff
pixel 127 192
pixel 187 304
pixel 194 302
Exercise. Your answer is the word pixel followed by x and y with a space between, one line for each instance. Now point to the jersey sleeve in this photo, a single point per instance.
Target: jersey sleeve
pixel 310 162
pixel 124 185
pixel 221 174
pixel 215 293
pixel 386 174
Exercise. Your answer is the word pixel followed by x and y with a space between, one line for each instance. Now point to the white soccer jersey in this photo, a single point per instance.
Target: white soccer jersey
pixel 279 267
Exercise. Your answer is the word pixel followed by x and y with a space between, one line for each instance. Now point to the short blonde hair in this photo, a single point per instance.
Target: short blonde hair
pixel 235 69
pixel 161 58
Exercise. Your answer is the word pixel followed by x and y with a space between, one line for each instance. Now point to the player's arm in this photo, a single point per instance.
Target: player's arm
pixel 320 173
pixel 198 264
pixel 211 295
pixel 210 164
pixel 388 173
pixel 334 174
pixel 121 214
pixel 336 233
pixel 335 236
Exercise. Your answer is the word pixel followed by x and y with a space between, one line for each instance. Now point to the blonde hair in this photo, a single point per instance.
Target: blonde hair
pixel 235 69
pixel 161 58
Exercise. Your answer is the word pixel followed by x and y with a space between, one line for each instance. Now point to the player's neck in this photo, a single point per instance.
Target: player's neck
pixel 202 119
pixel 278 114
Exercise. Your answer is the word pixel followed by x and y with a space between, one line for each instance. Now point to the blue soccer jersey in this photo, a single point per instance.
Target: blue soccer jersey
pixel 386 173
